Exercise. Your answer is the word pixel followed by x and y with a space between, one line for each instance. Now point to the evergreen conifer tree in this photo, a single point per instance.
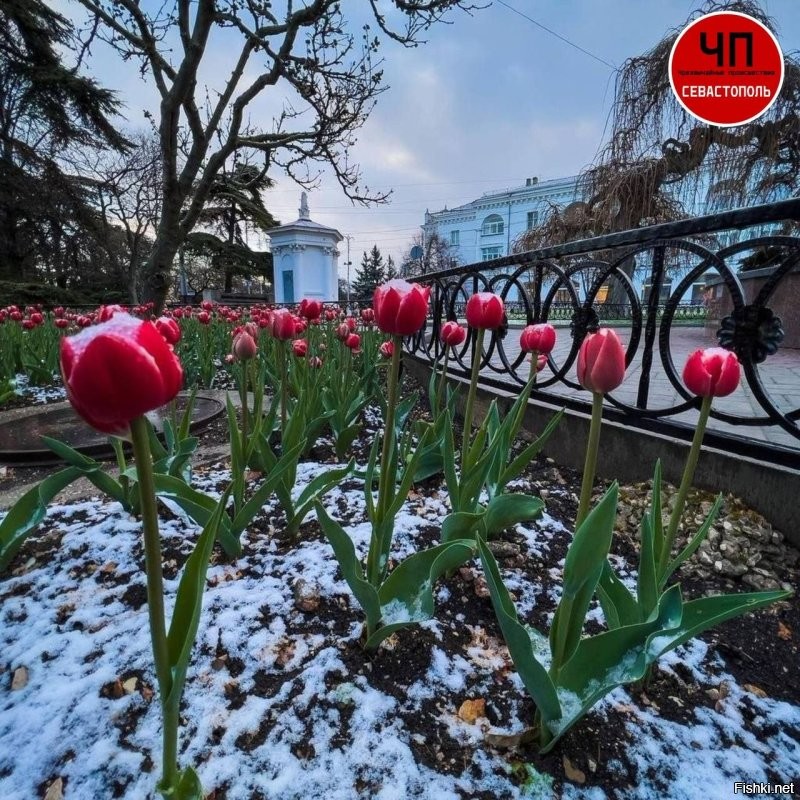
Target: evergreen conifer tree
pixel 370 274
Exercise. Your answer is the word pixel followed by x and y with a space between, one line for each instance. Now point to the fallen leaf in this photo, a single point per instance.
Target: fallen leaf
pixel 509 741
pixel 20 679
pixel 470 710
pixel 109 567
pixel 753 689
pixel 55 791
pixel 130 685
pixel 480 586
pixel 285 653
pixel 784 632
pixel 573 773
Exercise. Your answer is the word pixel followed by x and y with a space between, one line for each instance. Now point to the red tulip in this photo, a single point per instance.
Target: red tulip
pixel 28 324
pixel 310 309
pixel 206 305
pixel 58 312
pixel 353 341
pixel 351 323
pixel 713 372
pixel 106 312
pixel 169 329
pixel 367 315
pixel 330 314
pixel 117 371
pixel 244 346
pixel 538 338
pixel 601 362
pixel 16 316
pixel 283 324
pixel 342 331
pixel 387 349
pixel 300 347
pixel 400 307
pixel 204 317
pixel 37 318
pixel 485 310
pixel 61 323
pixel 83 321
pixel 453 334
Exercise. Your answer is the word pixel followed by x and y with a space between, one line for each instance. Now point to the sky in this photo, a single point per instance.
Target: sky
pixel 490 99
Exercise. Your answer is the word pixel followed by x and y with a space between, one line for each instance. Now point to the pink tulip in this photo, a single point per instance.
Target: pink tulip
pixel 601 362
pixel 712 372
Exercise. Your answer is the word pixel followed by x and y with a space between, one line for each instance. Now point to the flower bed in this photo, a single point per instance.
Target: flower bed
pixel 283 702
pixel 378 589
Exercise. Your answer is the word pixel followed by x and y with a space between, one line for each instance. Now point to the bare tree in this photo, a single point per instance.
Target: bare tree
pixel 126 192
pixel 436 251
pixel 658 157
pixel 329 79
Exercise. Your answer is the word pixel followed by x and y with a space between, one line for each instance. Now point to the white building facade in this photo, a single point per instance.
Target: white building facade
pixel 486 228
pixel 305 259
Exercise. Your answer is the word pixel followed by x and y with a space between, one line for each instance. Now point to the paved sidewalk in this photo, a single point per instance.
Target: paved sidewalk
pixel 780 375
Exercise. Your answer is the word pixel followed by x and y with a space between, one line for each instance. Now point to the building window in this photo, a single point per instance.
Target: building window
pixel 454 238
pixel 490 253
pixel 492 225
pixel 533 219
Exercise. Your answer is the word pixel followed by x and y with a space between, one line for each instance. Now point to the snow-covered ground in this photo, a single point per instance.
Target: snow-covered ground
pixel 271 707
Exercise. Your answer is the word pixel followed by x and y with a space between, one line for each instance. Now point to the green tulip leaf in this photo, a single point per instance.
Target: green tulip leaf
pixel 614 658
pixel 647 585
pixel 619 605
pixel 461 525
pixel 508 510
pixel 188 787
pixel 583 567
pixel 706 612
pixel 518 638
pixel 694 543
pixel 351 568
pixel 199 506
pixel 188 604
pixel 29 511
pixel 316 488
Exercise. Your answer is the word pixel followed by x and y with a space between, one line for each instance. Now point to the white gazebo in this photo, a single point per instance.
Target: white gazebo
pixel 305 259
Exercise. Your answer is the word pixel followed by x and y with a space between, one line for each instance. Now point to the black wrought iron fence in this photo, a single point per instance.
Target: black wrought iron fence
pixel 594 281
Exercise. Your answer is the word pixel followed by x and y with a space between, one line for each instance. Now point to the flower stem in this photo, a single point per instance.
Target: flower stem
pixel 243 374
pixel 386 476
pixel 284 385
pixel 442 381
pixel 477 354
pixel 686 483
pixel 155 591
pixel 590 464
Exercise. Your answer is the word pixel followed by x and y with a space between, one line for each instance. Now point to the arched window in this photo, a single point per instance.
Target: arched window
pixel 493 224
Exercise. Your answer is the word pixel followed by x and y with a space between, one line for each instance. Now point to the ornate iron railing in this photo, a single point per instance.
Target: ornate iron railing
pixel 569 285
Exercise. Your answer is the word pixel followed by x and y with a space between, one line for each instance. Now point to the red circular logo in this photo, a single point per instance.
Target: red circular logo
pixel 726 68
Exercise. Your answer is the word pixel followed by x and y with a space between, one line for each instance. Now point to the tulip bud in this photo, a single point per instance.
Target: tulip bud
pixel 400 307
pixel 713 372
pixel 353 341
pixel 367 316
pixel 452 334
pixel 310 309
pixel 206 305
pixel 244 347
pixel 601 362
pixel 300 347
pixel 37 318
pixel 342 331
pixel 538 338
pixel 61 323
pixel 315 361
pixel 283 324
pixel 387 349
pixel 204 317
pixel 485 310
pixel 169 329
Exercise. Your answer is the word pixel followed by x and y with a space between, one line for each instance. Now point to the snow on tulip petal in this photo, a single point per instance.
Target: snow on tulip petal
pixel 119 370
